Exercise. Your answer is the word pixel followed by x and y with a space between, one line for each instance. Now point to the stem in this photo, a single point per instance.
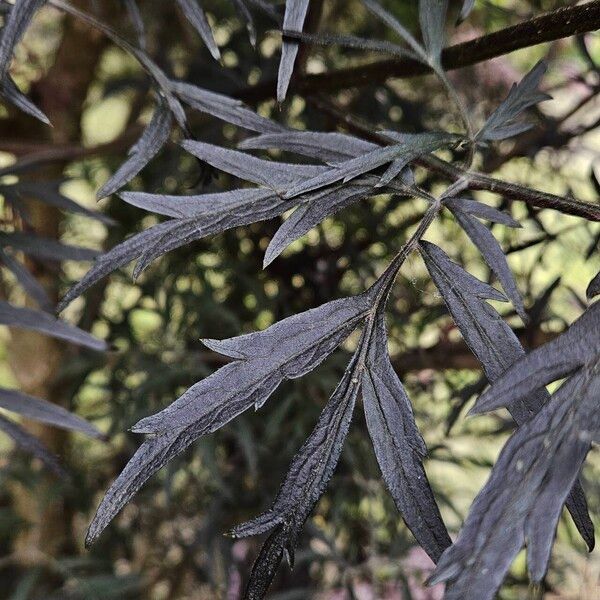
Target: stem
pixel 460 105
pixel 389 275
pixel 464 114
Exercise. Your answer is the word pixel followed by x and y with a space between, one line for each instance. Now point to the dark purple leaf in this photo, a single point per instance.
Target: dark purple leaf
pixel 399 447
pixel 49 193
pixel 293 20
pixel 575 348
pixel 593 289
pixel 268 173
pixel 465 11
pixel 114 259
pixel 246 15
pixel 482 211
pixel 350 41
pixel 195 15
pixel 45 323
pixel 225 108
pixel 143 151
pixel 502 122
pixel 262 360
pixel 256 205
pixel 492 253
pixel 30 444
pixel 11 93
pixel 30 284
pixel 14 28
pixel 315 209
pixel 309 473
pixel 135 17
pixel 402 152
pixel 522 500
pixel 385 17
pixel 432 17
pixel 496 347
pixel 44 412
pixel 45 248
pixel 328 147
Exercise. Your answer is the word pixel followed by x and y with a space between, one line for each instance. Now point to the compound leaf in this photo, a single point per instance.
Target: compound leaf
pixel 496 347
pixel 262 360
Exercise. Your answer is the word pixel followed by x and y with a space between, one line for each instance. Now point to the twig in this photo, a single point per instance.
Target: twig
pixel 476 181
pixel 561 23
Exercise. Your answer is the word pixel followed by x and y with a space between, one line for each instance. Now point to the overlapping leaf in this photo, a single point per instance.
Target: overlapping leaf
pixel 49 193
pixel 483 211
pixel 261 361
pixel 489 247
pixel 117 257
pixel 496 347
pixel 195 15
pixel 432 17
pixel 207 214
pixel 225 108
pixel 577 347
pixel 30 444
pixel 29 283
pixel 333 148
pixel 315 209
pixel 270 174
pixel 309 473
pixel 399 447
pixel 523 497
pixel 45 248
pixel 250 206
pixel 399 155
pixel 135 16
pixel 143 151
pixel 44 412
pixel 385 17
pixel 504 121
pixel 45 323
pixel 197 217
pixel 13 95
pixel 293 20
pixel 327 147
pixel 14 28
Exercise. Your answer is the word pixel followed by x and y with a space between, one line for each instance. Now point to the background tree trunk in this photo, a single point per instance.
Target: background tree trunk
pixel 36 359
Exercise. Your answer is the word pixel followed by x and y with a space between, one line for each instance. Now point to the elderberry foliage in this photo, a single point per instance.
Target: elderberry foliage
pixel 537 473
